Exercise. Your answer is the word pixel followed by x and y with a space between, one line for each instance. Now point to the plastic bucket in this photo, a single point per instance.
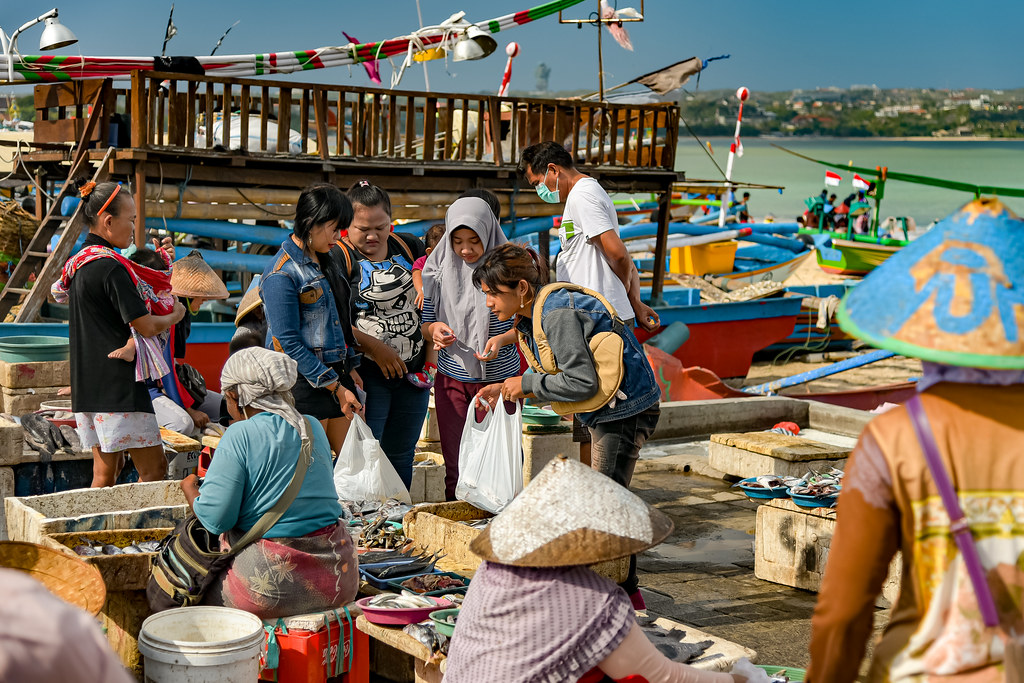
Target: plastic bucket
pixel 201 645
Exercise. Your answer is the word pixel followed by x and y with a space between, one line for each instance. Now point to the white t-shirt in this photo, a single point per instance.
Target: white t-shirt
pixel 588 213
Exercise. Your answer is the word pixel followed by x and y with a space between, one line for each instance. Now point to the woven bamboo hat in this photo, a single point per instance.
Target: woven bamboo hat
pixel 191 276
pixel 954 295
pixel 68 577
pixel 571 515
pixel 250 301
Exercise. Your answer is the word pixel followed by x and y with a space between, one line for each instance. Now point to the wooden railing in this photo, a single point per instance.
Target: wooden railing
pixel 327 121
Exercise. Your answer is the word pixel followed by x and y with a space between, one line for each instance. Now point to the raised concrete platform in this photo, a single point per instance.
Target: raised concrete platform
pixel 791 548
pixel 753 454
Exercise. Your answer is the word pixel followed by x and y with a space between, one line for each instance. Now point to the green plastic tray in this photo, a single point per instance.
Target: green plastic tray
pixel 33 349
pixel 795 674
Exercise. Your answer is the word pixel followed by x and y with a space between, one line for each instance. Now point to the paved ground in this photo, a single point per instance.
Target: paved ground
pixel 703 574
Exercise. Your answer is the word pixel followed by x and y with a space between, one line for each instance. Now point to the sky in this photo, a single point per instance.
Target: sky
pixel 774 45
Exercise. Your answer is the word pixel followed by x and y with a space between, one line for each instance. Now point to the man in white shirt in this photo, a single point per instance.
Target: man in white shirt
pixel 592 253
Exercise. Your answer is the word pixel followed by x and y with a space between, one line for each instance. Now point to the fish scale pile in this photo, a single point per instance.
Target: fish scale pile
pixel 46 438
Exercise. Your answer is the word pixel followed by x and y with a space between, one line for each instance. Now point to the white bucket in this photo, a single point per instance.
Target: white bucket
pixel 201 645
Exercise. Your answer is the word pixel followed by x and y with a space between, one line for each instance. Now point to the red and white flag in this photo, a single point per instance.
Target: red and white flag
pixel 860 183
pixel 832 178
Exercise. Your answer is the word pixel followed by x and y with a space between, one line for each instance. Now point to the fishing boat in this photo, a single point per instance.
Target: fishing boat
pixel 775 272
pixel 852 257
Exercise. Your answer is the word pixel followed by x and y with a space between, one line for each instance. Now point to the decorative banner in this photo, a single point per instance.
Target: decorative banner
pixel 832 178
pixel 54 68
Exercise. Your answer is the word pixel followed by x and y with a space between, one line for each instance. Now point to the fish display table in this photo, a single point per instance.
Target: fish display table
pixel 425 671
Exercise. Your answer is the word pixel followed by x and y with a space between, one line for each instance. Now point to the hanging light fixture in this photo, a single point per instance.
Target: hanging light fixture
pixel 55 36
pixel 473 44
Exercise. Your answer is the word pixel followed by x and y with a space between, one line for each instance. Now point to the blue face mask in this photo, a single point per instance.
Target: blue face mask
pixel 546 195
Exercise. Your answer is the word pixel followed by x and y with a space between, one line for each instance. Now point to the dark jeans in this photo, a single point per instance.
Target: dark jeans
pixel 615 448
pixel 394 411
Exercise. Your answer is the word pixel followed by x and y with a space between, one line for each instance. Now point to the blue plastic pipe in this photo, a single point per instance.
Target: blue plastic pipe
pixel 230 260
pixel 224 230
pixel 772 388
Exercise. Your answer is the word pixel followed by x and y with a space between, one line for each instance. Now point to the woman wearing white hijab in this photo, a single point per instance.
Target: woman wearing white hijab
pixel 306 562
pixel 474 347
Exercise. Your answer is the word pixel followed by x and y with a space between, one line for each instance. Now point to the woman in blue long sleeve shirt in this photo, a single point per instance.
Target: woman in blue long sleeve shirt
pixel 302 318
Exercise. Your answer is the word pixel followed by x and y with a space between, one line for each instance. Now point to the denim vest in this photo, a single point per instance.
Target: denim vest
pixel 294 281
pixel 638 383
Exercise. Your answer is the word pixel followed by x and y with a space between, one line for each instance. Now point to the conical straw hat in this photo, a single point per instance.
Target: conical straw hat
pixel 66 576
pixel 191 276
pixel 571 515
pixel 954 295
pixel 250 301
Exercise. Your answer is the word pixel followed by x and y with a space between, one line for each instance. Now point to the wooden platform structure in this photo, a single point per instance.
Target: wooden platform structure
pixel 187 159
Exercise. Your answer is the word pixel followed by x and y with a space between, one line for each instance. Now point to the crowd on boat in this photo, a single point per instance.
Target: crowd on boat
pixel 353 318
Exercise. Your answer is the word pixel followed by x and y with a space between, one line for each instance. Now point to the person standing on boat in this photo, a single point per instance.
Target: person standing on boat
pixel 377 264
pixel 303 320
pixel 952 298
pixel 114 411
pixel 592 254
pixel 556 327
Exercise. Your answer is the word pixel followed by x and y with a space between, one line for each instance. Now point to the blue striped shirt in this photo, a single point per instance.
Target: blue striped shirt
pixel 501 368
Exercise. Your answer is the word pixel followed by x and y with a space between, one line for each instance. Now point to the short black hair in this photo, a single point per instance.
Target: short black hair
pixel 538 156
pixel 434 234
pixel 244 338
pixel 96 197
pixel 148 258
pixel 319 204
pixel 486 195
pixel 369 195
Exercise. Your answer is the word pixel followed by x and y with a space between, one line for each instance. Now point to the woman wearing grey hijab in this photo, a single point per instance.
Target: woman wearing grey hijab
pixel 473 347
pixel 306 562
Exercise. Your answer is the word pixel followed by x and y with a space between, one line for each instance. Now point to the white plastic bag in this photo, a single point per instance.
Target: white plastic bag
pixel 363 472
pixel 491 459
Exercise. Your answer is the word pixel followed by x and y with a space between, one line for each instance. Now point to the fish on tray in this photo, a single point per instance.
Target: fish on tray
pixel 405 600
pixel 818 490
pixel 86 549
pixel 432 582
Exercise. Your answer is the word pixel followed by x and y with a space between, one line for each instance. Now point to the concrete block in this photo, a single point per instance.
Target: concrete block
pixel 21 401
pixel 41 374
pixel 12 442
pixel 27 455
pixel 6 491
pixel 837 419
pixel 430 432
pixel 791 548
pixel 681 419
pixel 538 449
pixel 742 463
pixel 427 478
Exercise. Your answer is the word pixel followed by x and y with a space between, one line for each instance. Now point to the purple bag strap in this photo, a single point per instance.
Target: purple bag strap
pixel 958 523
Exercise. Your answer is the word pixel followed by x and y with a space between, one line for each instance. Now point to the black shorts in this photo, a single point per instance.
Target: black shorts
pixel 319 402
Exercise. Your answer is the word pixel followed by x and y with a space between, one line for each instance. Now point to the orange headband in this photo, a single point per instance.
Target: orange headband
pixel 109 199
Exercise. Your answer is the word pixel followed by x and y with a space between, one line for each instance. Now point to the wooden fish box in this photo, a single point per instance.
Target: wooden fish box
pixel 440 527
pixel 158 504
pixel 756 453
pixel 126 577
pixel 791 547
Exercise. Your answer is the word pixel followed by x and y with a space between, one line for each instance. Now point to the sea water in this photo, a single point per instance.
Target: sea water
pixel 981 162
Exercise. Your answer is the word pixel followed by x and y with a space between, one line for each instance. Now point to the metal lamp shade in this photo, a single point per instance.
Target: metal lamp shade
pixel 475 44
pixel 56 35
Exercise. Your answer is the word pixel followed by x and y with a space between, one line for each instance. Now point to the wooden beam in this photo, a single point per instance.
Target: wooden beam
pixel 660 247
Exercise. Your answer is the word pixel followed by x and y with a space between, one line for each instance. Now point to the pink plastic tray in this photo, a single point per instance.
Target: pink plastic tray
pixel 399 617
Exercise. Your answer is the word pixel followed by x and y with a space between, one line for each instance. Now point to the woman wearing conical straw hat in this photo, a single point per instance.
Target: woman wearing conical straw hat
pixel 535 612
pixel 954 298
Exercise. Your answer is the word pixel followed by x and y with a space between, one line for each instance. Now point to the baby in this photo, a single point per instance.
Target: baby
pixel 425 378
pixel 152 273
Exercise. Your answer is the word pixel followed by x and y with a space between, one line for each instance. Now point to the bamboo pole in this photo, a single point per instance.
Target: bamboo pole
pixel 209 211
pixel 274 195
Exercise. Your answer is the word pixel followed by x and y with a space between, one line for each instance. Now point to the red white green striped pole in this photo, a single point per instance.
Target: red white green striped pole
pixel 735 148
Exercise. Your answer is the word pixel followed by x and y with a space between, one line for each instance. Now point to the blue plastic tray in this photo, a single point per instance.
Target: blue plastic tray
pixel 384 584
pixel 761 493
pixel 815 501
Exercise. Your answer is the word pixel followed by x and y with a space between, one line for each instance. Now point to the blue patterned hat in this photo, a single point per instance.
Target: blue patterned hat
pixel 955 295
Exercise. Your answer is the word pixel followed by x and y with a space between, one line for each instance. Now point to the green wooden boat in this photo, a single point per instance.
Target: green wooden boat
pixel 849 257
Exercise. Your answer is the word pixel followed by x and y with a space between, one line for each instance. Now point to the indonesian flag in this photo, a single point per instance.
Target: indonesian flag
pixel 859 182
pixel 832 178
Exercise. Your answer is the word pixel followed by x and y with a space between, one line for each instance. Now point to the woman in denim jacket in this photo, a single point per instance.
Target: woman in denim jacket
pixel 303 321
pixel 509 277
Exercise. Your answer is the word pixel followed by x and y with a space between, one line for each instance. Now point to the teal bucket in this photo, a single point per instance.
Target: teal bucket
pixel 33 349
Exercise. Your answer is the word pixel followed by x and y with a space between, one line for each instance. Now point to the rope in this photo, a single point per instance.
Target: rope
pixel 261 207
pixel 702 145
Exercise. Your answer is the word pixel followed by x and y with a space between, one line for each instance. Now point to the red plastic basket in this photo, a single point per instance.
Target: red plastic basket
pixel 312 656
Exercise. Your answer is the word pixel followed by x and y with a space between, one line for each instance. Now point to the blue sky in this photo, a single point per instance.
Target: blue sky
pixel 776 45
